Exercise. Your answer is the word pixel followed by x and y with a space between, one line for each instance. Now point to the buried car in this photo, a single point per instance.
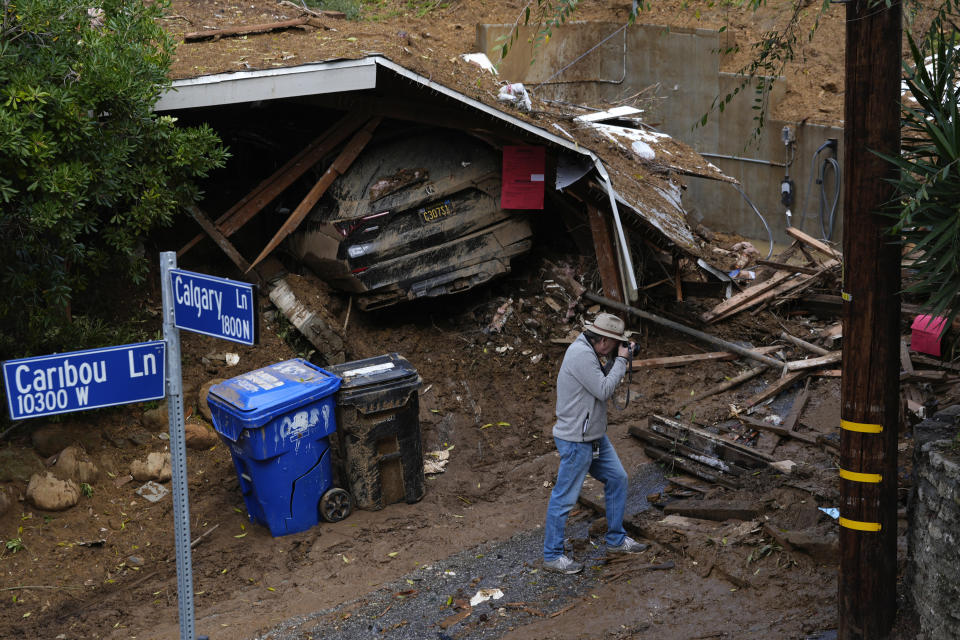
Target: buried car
pixel 414 216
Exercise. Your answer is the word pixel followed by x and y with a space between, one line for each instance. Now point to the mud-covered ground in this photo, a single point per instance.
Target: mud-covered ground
pixel 106 567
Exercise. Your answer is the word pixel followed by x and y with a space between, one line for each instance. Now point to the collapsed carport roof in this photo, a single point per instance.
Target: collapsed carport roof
pixel 634 167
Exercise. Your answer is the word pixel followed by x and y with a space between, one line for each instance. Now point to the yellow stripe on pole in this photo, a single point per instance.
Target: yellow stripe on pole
pixel 859 526
pixel 856 476
pixel 861 427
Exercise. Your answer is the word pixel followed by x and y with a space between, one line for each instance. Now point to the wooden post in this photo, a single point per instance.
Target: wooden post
pixel 871 310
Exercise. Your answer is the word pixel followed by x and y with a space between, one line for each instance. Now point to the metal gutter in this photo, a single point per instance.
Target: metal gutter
pixel 270 84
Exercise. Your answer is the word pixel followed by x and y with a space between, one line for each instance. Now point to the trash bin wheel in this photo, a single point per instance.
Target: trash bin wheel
pixel 335 505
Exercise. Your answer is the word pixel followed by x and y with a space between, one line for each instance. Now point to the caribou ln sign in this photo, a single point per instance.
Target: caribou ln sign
pixel 81 380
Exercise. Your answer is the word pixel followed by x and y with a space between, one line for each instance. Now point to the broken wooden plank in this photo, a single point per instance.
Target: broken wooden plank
pixel 779 430
pixel 906 364
pixel 775 388
pixel 827 373
pixel 723 386
pixel 795 282
pixel 677 361
pixel 933 362
pixel 797 407
pixel 690 467
pixel 216 34
pixel 813 363
pixel 678 447
pixel 211 229
pixel 803 344
pixel 264 193
pixel 792 268
pixel 822 247
pixel 923 375
pixel 725 449
pixel 717 510
pixel 339 166
pixel 723 344
pixel 602 232
pixel 734 302
pixel 684 484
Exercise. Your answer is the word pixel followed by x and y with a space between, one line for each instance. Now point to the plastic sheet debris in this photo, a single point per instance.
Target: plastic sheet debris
pixel 152 491
pixel 517 94
pixel 833 512
pixel 481 60
pixel 485 594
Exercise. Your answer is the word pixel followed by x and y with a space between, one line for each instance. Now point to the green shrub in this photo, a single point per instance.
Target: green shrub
pixel 87 168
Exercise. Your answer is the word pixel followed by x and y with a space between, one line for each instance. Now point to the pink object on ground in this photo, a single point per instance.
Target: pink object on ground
pixel 925 334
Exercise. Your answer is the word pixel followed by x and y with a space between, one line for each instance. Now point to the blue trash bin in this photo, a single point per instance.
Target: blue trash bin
pixel 276 421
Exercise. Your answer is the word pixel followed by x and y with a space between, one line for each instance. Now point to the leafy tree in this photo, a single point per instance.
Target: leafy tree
pixel 86 167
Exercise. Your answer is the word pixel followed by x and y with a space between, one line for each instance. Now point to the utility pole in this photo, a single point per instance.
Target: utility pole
pixel 870 398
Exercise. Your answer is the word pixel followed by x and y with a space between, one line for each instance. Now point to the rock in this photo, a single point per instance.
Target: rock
pixel 202 398
pixel 140 438
pixel 157 419
pixel 135 561
pixel 5 503
pixel 198 436
pixel 73 464
pixel 49 493
pixel 156 467
pixel 17 465
pixel 51 439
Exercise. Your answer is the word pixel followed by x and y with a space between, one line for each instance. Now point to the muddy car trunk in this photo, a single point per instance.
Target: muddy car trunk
pixel 415 215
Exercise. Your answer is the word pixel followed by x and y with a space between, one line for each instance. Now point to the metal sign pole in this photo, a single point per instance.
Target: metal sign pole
pixel 178 451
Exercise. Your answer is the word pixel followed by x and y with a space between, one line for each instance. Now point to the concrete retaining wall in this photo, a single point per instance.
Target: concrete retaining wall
pixel 682 67
pixel 935 527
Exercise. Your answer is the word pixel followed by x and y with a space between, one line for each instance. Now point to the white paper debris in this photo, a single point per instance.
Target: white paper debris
pixel 485 594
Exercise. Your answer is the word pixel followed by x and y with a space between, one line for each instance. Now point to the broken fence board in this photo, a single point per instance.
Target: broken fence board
pixel 690 467
pixel 725 449
pixel 822 247
pixel 678 447
pixel 775 388
pixel 338 168
pixel 796 281
pixel 803 344
pixel 779 430
pixel 264 193
pixel 716 510
pixel 813 363
pixel 677 361
pixel 745 296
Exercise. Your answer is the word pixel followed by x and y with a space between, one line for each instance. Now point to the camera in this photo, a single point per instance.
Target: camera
pixel 634 349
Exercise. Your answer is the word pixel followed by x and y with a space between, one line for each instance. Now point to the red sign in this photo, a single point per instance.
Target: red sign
pixel 523 177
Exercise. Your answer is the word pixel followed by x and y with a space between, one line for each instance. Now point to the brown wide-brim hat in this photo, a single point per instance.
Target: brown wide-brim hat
pixel 608 325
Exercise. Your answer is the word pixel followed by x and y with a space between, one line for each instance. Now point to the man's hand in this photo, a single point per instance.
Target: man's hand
pixel 623 351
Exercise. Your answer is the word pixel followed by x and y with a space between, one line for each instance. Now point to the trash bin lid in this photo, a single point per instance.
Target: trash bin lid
pixel 258 396
pixel 373 371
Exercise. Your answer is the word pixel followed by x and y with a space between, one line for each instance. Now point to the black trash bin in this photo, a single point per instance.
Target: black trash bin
pixel 380 452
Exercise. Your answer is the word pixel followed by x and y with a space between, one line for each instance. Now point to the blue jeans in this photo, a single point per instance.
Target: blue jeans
pixel 576 460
